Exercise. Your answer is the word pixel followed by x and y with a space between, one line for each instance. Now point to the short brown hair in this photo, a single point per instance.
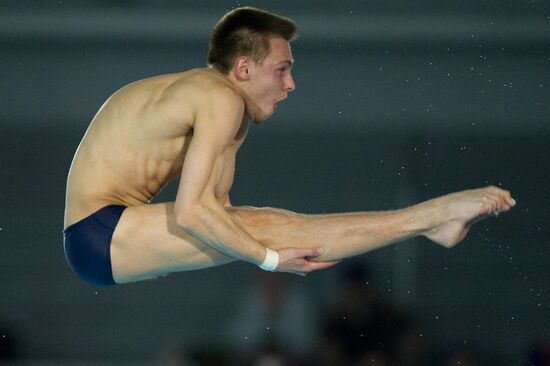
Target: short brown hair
pixel 246 32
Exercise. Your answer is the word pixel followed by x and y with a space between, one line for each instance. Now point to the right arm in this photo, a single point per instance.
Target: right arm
pixel 199 212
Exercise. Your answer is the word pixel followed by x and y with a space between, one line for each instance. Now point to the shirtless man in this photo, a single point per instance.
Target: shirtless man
pixel 190 125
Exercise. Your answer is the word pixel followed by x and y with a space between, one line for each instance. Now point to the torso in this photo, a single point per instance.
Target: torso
pixel 137 143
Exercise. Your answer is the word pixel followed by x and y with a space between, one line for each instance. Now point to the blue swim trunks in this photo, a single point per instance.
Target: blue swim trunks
pixel 87 245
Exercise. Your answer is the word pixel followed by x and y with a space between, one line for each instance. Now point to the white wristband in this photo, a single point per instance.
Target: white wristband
pixel 271 260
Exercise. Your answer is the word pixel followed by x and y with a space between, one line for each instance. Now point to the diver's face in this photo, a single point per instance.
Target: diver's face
pixel 270 81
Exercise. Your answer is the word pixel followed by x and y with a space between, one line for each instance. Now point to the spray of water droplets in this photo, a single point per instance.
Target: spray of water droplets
pixel 500 249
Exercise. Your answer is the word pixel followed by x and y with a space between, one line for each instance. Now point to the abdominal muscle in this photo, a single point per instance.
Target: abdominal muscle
pixel 102 176
pixel 132 149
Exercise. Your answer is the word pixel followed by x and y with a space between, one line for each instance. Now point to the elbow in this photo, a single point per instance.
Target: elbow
pixel 187 218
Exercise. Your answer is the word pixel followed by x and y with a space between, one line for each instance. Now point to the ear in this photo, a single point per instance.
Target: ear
pixel 240 68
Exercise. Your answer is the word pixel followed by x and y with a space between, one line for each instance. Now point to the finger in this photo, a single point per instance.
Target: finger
pixel 315 266
pixel 308 252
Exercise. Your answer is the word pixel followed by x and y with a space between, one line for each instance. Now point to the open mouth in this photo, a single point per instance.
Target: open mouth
pixel 277 102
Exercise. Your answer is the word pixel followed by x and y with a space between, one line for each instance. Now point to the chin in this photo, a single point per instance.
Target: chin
pixel 262 117
pixel 259 121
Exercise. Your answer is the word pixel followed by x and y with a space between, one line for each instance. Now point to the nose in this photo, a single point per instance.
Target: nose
pixel 290 86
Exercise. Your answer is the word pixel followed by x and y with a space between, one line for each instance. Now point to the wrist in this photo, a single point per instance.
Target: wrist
pixel 271 260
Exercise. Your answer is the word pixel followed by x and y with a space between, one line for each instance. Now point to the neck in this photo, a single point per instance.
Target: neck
pixel 252 111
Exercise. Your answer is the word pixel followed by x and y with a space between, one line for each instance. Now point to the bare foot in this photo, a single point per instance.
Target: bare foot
pixel 459 211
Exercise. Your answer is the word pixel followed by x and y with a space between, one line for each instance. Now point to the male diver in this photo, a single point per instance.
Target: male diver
pixel 190 125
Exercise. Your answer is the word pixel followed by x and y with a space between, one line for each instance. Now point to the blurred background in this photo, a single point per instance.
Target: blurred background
pixel 396 102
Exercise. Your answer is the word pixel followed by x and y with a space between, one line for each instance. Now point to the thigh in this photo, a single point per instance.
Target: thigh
pixel 148 243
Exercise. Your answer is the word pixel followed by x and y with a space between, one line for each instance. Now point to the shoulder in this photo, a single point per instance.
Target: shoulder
pixel 206 91
pixel 216 98
pixel 218 109
pixel 213 89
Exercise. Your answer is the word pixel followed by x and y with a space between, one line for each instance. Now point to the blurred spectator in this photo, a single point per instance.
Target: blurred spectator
pixel 276 315
pixel 361 325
